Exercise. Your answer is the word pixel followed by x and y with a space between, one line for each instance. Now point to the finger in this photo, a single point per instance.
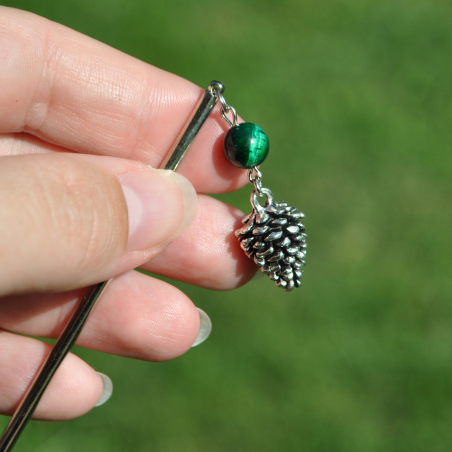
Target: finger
pixel 75 92
pixel 24 143
pixel 208 254
pixel 69 220
pixel 137 316
pixel 74 390
pixel 219 263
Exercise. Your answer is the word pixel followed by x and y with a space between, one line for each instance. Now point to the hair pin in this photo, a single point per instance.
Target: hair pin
pixel 272 235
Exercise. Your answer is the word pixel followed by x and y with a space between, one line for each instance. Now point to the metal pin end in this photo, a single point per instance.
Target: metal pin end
pixel 215 85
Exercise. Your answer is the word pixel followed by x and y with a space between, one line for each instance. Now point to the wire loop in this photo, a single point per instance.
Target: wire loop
pixel 255 177
pixel 225 108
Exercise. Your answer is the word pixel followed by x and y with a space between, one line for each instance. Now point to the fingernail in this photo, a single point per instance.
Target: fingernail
pixel 161 205
pixel 205 327
pixel 107 389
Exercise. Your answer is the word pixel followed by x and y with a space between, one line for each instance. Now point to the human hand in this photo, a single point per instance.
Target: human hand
pixel 79 124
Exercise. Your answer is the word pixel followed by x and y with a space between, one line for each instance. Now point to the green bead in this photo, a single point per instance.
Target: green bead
pixel 246 145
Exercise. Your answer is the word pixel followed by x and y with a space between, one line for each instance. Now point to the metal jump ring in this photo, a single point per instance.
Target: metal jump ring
pixel 225 107
pixel 234 116
pixel 255 200
pixel 222 101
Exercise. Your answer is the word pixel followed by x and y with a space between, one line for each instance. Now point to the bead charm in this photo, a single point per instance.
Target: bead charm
pixel 273 234
pixel 246 145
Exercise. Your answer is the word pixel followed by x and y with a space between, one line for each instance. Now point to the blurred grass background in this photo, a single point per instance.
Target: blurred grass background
pixel 355 96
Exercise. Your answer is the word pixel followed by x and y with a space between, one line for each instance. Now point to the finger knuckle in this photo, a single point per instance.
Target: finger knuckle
pixel 85 207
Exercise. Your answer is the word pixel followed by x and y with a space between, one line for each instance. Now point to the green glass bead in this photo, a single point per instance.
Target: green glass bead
pixel 246 145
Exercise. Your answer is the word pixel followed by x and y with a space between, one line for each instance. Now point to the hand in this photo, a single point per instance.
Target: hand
pixel 80 123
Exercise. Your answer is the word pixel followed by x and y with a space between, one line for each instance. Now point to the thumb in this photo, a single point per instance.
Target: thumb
pixel 68 220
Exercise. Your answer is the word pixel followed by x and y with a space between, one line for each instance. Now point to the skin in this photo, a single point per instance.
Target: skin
pixel 76 114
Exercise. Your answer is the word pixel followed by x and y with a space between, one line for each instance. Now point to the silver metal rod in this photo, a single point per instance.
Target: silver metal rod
pixel 42 379
pixel 189 131
pixel 73 328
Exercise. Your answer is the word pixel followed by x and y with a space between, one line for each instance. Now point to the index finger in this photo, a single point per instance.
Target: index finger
pixel 78 93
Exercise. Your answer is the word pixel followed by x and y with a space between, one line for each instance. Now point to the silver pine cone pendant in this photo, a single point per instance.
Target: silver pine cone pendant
pixel 273 234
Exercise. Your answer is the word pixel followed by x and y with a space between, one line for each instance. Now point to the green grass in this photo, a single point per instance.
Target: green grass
pixel 355 96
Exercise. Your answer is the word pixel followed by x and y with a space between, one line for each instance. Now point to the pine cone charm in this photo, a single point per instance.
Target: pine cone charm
pixel 273 236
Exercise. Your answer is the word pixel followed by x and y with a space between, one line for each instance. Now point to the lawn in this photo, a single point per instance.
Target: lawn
pixel 356 98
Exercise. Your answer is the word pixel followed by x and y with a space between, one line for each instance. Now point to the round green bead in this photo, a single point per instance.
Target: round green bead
pixel 246 145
